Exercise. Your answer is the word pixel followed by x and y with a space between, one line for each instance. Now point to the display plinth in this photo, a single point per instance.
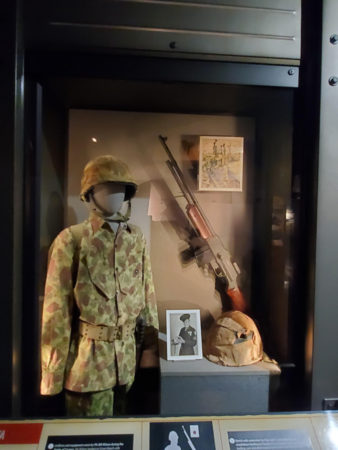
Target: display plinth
pixel 201 387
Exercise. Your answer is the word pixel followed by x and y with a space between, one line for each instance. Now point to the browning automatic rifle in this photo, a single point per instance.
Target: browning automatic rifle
pixel 212 252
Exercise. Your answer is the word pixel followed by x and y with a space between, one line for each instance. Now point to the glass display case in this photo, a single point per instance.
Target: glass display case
pixel 243 129
pixel 254 218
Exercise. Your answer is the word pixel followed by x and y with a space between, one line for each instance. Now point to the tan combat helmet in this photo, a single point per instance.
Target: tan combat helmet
pixel 234 340
pixel 105 169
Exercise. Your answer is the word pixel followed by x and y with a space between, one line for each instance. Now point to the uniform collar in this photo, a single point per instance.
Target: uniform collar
pixel 98 222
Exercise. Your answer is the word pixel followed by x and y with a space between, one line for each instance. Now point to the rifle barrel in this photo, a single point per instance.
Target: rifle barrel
pixel 179 178
pixel 181 184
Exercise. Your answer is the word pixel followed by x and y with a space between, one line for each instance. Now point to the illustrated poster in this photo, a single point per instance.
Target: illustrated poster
pixel 221 163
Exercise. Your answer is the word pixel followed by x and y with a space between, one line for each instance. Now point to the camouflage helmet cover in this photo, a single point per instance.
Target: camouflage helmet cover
pixel 234 340
pixel 105 169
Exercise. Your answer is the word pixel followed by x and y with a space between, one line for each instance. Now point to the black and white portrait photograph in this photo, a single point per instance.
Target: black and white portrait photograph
pixel 184 334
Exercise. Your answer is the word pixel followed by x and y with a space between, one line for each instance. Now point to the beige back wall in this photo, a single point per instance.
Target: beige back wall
pixel 133 137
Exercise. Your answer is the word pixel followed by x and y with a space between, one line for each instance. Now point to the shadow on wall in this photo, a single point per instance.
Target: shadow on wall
pixel 55 215
pixel 71 215
pixel 51 226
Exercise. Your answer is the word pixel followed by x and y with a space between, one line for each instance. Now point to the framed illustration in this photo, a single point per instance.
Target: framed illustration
pixel 221 163
pixel 184 334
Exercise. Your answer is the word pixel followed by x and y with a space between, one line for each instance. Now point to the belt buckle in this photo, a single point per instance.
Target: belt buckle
pixel 119 333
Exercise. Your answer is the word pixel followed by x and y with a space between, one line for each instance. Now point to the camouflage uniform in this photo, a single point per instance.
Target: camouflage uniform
pixel 104 279
pixel 90 404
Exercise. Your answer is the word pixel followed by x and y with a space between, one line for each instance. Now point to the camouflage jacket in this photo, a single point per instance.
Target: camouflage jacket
pixel 103 279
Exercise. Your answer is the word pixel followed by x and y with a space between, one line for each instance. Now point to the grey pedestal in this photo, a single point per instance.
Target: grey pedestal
pixel 202 388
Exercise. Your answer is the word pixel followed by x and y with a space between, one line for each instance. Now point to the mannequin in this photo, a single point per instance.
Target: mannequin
pixel 98 284
pixel 107 199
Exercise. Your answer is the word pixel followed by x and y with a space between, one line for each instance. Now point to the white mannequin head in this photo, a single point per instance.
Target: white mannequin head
pixel 107 198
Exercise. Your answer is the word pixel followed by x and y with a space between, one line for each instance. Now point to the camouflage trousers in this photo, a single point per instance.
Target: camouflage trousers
pixel 94 404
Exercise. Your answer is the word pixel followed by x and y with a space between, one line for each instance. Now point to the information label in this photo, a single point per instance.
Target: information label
pixel 181 435
pixel 91 442
pixel 269 440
